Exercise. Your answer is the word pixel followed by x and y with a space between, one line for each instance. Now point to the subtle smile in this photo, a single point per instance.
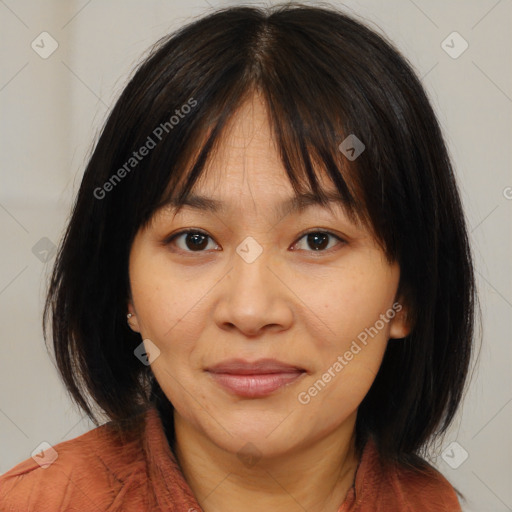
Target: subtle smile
pixel 254 380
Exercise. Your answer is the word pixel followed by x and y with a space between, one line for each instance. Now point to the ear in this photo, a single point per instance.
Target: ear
pixel 133 321
pixel 400 325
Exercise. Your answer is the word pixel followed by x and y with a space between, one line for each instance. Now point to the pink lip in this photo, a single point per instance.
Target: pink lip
pixel 256 379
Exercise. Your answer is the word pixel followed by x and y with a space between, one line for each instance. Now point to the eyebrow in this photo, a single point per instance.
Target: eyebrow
pixel 298 203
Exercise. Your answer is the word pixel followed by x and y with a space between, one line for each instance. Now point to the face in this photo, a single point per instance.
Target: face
pixel 307 290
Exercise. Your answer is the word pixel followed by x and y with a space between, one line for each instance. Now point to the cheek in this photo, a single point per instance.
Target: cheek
pixel 336 391
pixel 173 308
pixel 356 323
pixel 348 302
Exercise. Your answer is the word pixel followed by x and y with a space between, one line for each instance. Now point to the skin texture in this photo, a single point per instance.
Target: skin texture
pixel 293 303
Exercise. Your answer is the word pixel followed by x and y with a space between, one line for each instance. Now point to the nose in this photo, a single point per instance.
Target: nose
pixel 254 297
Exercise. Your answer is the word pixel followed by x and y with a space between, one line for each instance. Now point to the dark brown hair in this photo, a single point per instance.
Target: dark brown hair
pixel 324 76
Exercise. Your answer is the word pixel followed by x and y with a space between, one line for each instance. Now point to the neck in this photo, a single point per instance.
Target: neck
pixel 314 477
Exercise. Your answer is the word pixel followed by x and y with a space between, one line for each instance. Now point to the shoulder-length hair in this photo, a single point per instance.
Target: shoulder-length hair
pixel 324 76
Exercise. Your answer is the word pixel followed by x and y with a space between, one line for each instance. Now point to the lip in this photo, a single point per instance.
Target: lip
pixel 254 379
pixel 258 367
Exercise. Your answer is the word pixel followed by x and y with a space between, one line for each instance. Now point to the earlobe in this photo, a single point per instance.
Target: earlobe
pixel 399 325
pixel 131 318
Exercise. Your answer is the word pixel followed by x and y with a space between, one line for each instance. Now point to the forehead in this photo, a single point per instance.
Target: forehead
pixel 296 203
pixel 230 188
pixel 246 151
pixel 245 169
pixel 246 161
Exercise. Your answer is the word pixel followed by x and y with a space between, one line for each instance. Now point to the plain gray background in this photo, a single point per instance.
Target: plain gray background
pixel 52 109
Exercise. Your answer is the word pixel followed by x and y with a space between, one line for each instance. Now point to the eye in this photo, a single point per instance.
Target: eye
pixel 189 240
pixel 194 240
pixel 319 240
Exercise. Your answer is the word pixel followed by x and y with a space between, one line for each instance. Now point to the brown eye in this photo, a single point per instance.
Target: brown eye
pixel 190 241
pixel 318 241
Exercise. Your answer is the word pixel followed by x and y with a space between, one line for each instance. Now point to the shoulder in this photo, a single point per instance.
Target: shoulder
pixel 80 474
pixel 402 488
pixel 426 490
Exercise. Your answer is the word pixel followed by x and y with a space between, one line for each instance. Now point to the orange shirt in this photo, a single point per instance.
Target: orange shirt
pixel 99 471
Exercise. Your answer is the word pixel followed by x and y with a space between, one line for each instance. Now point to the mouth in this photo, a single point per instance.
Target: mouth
pixel 254 379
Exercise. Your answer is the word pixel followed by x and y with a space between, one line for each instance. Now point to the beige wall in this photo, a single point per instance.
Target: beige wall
pixel 51 110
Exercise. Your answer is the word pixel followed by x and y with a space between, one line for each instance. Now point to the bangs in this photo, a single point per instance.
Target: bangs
pixel 306 150
pixel 315 102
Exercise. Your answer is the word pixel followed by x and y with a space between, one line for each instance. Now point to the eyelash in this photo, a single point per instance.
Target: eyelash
pixel 169 240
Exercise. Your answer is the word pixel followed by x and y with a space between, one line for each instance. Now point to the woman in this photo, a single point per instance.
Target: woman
pixel 266 283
